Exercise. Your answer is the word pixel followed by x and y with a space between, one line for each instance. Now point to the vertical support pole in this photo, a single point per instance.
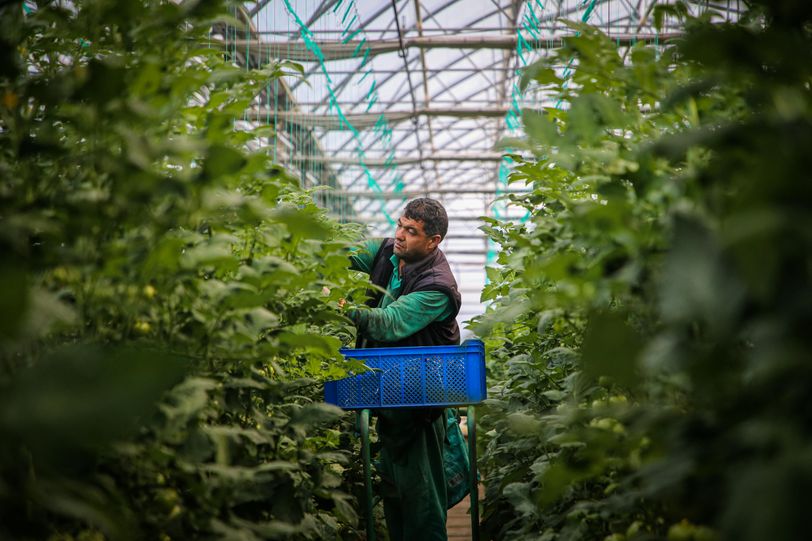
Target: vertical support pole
pixel 363 420
pixel 472 479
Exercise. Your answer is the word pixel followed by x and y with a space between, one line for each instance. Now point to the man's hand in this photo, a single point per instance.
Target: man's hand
pixel 341 302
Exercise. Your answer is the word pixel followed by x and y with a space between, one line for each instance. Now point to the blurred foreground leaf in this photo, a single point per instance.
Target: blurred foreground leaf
pixel 83 396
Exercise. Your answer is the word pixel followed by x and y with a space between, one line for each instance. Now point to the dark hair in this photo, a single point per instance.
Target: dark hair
pixel 431 213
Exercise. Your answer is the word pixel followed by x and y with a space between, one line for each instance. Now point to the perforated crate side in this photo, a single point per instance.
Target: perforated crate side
pixel 413 377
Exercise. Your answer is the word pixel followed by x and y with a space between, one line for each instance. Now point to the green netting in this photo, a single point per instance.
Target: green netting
pixel 299 144
pixel 528 43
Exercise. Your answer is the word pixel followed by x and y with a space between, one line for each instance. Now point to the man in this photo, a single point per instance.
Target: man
pixel 419 309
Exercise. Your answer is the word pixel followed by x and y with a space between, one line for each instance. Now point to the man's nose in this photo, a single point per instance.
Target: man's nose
pixel 399 234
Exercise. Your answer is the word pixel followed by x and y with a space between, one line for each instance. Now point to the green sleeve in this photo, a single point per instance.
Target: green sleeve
pixel 362 257
pixel 405 316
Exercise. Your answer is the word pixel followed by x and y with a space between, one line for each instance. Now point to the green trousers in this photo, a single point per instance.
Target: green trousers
pixel 411 467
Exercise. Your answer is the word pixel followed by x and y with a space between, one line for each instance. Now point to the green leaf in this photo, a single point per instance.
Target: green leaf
pixel 301 223
pixel 540 129
pixel 344 508
pixel 541 72
pixel 222 160
pixel 84 396
pixel 316 414
pixel 324 345
pixel 46 311
pixel 697 284
pixel 518 494
pixel 260 319
pixel 215 253
pixel 523 424
pixel 555 395
pixel 106 80
pixel 611 348
pixel 14 302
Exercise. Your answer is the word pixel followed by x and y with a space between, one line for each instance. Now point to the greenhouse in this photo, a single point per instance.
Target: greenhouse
pixel 405 270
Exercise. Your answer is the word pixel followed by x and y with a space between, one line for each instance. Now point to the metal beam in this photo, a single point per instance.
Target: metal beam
pixel 422 193
pixel 466 99
pixel 315 68
pixel 380 162
pixel 491 130
pixel 258 7
pixel 321 10
pixel 367 120
pixel 351 104
pixel 456 30
pixel 451 219
pixel 339 50
pixel 400 72
pixel 342 169
pixel 397 143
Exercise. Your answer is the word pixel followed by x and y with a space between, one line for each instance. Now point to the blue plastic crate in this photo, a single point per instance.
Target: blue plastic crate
pixel 409 377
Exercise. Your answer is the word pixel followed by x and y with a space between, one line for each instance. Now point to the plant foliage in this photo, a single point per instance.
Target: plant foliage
pixel 649 330
pixel 169 295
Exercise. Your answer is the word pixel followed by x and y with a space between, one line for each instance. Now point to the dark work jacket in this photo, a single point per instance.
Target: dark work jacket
pixel 431 273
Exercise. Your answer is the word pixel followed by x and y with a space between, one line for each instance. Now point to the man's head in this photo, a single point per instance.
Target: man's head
pixel 421 227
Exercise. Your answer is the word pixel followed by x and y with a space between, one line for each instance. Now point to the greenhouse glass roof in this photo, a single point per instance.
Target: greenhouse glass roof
pixel 404 98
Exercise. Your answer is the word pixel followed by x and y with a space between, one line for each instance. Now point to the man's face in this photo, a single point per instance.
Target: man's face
pixel 411 241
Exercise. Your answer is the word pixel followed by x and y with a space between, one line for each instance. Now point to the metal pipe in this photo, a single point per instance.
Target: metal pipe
pixel 423 193
pixel 451 219
pixel 380 162
pixel 363 419
pixel 472 472
pixel 339 50
pixel 367 120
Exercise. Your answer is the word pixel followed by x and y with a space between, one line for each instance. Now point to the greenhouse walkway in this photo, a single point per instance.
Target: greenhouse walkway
pixel 458 524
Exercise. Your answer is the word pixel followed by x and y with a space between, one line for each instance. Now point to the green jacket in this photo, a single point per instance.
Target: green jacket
pixel 396 316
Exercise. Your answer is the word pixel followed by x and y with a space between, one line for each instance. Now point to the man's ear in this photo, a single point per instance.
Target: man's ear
pixel 435 241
